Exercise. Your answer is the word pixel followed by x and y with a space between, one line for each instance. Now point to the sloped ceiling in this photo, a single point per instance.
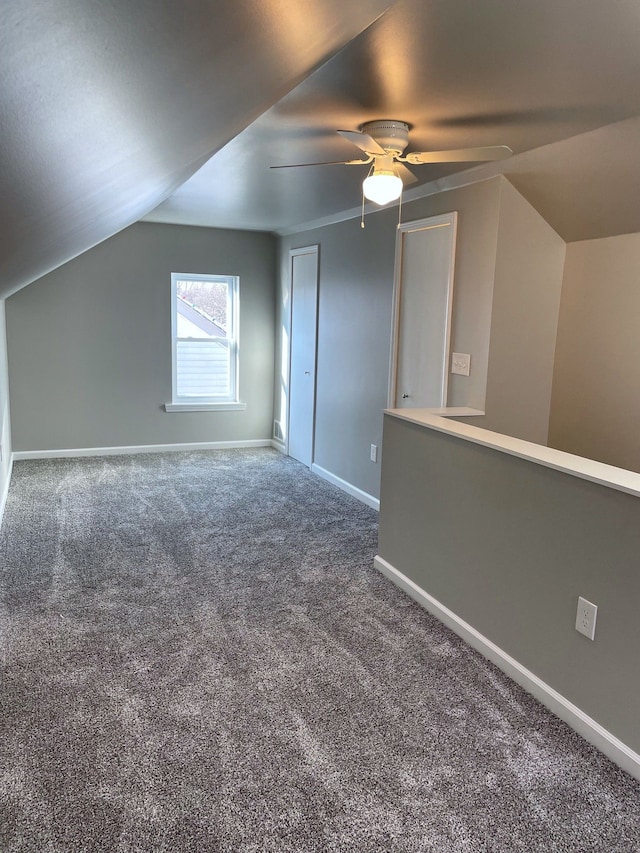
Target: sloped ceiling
pixel 462 73
pixel 107 107
pixel 585 187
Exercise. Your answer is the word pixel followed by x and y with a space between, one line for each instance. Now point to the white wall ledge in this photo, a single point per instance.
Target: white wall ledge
pixel 576 466
pixel 205 407
pixel 454 412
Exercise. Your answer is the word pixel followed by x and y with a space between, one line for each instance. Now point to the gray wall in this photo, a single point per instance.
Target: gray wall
pixel 596 386
pixel 354 317
pixel 508 546
pixel 89 345
pixel 524 320
pixel 5 434
pixel 478 207
pixel 354 321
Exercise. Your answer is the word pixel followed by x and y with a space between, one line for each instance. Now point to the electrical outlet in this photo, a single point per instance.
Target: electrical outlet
pixel 373 455
pixel 461 363
pixel 586 618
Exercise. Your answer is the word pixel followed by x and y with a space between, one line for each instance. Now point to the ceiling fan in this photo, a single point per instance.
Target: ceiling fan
pixel 384 142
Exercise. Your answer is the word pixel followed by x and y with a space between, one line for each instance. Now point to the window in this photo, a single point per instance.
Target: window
pixel 204 322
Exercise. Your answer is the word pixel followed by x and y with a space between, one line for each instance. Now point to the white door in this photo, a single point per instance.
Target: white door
pixel 423 296
pixel 302 378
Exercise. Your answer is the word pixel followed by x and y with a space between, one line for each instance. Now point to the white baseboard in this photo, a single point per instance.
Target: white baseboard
pixel 140 448
pixel 355 492
pixel 278 445
pixel 580 722
pixel 4 494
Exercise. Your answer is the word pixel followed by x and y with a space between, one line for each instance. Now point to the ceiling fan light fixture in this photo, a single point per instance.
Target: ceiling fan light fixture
pixel 382 187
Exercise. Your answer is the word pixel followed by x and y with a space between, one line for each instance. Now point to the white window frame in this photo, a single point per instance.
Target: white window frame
pixel 231 402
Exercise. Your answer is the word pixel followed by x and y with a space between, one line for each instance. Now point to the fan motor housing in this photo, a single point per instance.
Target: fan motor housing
pixel 392 135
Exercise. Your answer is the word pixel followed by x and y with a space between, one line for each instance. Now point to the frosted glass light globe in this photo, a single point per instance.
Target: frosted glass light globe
pixel 382 187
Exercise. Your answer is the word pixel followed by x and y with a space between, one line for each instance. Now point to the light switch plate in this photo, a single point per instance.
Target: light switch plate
pixel 461 363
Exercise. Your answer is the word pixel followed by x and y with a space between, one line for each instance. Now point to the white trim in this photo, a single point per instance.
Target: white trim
pixel 445 220
pixel 475 175
pixel 5 491
pixel 331 219
pixel 205 407
pixel 278 445
pixel 139 448
pixel 233 311
pixel 354 491
pixel 313 249
pixel 457 412
pixel 580 722
pixel 577 466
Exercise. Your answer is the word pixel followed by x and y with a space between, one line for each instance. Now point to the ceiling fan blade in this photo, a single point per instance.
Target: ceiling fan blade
pixel 459 155
pixel 405 174
pixel 364 142
pixel 334 163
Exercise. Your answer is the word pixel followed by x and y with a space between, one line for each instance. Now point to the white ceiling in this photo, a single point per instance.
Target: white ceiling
pixel 108 109
pixel 462 73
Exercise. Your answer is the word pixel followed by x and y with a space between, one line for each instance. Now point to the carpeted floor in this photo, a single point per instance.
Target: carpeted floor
pixel 198 656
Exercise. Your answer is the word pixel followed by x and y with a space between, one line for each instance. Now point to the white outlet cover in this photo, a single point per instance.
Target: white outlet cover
pixel 586 618
pixel 461 363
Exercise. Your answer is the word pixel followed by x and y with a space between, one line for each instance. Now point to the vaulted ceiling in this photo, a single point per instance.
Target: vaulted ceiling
pixel 107 107
pixel 174 111
pixel 524 73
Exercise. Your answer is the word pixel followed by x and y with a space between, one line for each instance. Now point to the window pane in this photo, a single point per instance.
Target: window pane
pixel 202 309
pixel 204 369
pixel 204 344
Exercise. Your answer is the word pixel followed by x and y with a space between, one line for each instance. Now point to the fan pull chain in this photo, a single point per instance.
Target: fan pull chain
pixel 370 172
pixel 400 211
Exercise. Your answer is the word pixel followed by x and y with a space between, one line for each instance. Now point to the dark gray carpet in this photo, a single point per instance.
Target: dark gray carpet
pixel 198 656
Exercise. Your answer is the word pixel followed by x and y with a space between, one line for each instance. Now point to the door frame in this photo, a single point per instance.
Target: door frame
pixel 303 250
pixel 442 220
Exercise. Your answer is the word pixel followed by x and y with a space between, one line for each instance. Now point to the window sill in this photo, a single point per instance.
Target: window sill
pixel 205 407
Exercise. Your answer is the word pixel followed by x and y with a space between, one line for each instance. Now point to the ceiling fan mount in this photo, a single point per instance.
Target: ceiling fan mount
pixel 390 134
